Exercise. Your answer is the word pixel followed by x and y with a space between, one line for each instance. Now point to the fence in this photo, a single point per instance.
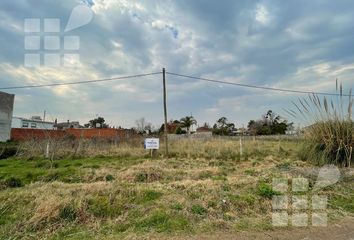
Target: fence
pixel 23 134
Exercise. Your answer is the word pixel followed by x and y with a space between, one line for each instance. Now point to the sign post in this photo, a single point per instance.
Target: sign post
pixel 152 144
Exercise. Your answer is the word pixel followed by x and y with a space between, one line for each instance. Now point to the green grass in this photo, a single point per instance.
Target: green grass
pixel 198 209
pixel 65 170
pixel 265 190
pixel 161 221
pixel 129 197
pixel 343 200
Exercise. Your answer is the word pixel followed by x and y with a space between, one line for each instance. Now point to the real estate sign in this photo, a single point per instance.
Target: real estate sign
pixel 152 143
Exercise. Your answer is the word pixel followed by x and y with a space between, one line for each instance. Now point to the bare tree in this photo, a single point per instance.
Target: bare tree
pixel 142 126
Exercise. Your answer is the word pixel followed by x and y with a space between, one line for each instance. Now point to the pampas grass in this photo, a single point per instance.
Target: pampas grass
pixel 330 135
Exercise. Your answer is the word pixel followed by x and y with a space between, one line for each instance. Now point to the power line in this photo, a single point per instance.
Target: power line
pixel 178 75
pixel 80 82
pixel 258 87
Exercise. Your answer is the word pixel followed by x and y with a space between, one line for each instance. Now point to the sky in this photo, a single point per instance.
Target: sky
pixel 299 45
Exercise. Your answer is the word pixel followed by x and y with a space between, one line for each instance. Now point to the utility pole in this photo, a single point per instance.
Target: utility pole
pixel 165 109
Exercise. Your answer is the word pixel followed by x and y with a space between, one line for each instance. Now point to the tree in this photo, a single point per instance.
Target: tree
pixel 270 123
pixel 142 126
pixel 187 122
pixel 222 122
pixel 252 127
pixel 179 130
pixel 98 122
pixel 223 127
pixel 172 126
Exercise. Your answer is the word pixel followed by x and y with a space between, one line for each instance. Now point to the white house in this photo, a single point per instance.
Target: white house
pixel 35 123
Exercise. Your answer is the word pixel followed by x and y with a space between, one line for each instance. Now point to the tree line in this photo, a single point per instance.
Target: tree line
pixel 270 123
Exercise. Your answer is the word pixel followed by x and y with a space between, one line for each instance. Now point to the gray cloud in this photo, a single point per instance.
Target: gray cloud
pixel 291 44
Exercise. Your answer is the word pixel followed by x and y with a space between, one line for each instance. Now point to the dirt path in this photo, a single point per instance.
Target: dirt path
pixel 343 230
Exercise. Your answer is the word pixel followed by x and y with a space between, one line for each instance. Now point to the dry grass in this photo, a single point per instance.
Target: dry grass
pixel 330 136
pixel 206 192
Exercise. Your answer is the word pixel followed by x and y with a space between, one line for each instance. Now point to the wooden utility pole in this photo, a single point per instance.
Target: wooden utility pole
pixel 165 109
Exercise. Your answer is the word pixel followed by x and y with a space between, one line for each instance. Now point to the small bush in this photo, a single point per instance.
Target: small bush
pixel 265 190
pixel 109 178
pixel 13 182
pixel 8 152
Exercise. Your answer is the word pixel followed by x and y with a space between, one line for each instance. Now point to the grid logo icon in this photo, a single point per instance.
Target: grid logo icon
pixel 46 43
pixel 298 206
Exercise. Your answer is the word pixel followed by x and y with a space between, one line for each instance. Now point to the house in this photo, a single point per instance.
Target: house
pixel 6 109
pixel 203 132
pixel 34 122
pixel 240 132
pixel 203 129
pixel 67 125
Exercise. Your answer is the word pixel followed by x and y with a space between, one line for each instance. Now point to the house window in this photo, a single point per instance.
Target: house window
pixel 25 124
pixel 33 125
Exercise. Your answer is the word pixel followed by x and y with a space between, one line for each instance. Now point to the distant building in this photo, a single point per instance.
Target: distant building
pixel 67 125
pixel 203 129
pixel 203 132
pixel 240 132
pixel 6 109
pixel 34 122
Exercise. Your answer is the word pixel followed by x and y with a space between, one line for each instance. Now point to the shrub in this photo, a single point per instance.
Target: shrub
pixel 109 178
pixel 13 182
pixel 266 190
pixel 330 136
pixel 8 152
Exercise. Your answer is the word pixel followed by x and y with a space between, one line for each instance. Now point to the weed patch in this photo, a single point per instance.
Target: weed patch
pixel 161 221
pixel 198 209
pixel 265 190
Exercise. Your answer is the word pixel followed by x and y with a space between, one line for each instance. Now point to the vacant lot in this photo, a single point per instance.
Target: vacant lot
pixel 204 187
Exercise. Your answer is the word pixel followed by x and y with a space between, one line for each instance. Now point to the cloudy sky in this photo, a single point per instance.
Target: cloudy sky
pixel 301 45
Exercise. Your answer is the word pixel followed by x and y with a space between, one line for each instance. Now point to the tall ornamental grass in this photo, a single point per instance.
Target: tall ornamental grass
pixel 330 134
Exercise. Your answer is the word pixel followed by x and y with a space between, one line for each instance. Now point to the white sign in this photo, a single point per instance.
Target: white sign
pixel 152 143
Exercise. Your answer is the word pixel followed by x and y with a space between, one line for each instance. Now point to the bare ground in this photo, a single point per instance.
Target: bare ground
pixel 342 230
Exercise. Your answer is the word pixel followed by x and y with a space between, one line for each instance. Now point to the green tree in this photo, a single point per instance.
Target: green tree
pixel 187 122
pixel 271 123
pixel 98 122
pixel 223 127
